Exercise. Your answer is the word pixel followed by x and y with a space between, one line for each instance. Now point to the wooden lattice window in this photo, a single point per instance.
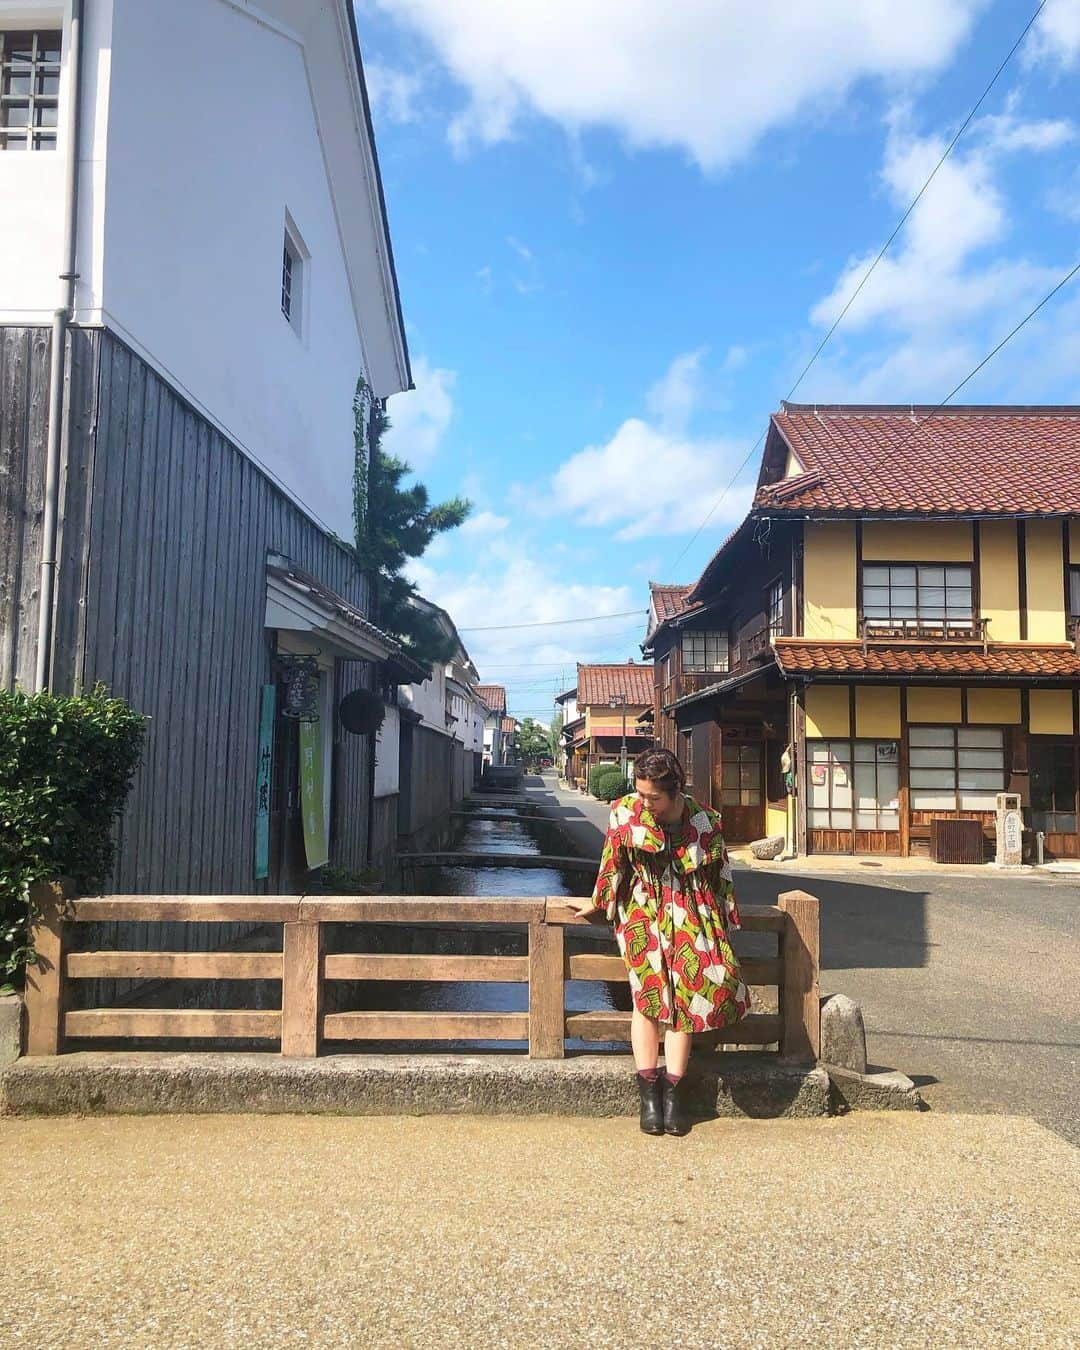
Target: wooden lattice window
pixel 29 90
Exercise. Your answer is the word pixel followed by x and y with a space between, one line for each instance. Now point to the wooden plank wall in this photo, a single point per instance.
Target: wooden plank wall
pixel 161 595
pixel 182 525
pixel 24 408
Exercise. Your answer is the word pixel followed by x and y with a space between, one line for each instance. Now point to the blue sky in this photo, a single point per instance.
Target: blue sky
pixel 621 229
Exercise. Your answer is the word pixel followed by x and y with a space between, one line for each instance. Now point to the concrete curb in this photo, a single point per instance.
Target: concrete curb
pixel 11 1028
pixel 735 1084
pixel 884 1090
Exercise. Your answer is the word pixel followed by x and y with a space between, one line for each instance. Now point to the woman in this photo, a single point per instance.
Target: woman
pixel 665 881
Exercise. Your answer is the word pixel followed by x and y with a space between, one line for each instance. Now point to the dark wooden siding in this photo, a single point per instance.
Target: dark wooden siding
pixel 24 409
pixel 161 594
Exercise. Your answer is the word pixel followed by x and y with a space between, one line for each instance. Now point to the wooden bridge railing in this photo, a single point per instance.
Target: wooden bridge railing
pixel 304 967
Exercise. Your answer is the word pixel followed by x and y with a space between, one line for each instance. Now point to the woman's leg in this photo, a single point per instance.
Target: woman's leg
pixel 677 1050
pixel 645 1039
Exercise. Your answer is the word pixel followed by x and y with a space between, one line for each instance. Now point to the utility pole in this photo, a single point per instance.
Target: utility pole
pixel 619 701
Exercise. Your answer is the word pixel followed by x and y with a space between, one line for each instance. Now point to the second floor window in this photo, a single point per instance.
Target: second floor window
pixel 775 599
pixel 29 90
pixel 914 596
pixel 705 651
pixel 294 266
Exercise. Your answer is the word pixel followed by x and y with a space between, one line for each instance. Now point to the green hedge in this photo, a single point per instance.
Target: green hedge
pixel 598 772
pixel 66 766
pixel 612 787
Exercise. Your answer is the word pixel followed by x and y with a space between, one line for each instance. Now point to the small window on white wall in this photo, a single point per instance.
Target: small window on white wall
pixel 294 275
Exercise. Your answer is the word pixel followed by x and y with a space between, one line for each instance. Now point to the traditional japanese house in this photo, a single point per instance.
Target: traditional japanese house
pixel 901 610
pixel 611 698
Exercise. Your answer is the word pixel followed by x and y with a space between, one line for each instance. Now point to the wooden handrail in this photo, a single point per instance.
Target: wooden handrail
pixel 304 968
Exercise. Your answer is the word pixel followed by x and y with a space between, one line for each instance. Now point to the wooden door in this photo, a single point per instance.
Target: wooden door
pixel 288 860
pixel 742 789
pixel 1055 793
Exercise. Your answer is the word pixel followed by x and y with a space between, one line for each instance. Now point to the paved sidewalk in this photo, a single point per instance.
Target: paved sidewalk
pixel 886 1230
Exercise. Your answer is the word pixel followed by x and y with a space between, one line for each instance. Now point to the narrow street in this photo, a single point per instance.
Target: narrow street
pixel 967 983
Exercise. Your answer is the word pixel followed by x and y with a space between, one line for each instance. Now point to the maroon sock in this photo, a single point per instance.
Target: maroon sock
pixel 650 1075
pixel 673 1078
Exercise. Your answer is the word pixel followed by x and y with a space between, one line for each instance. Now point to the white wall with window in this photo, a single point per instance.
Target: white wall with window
pixel 212 132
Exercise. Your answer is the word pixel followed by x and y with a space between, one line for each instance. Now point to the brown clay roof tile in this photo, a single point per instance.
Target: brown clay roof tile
pixel 798 657
pixel 596 684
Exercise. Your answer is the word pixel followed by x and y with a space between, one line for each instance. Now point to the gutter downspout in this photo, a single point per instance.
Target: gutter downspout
pixel 58 441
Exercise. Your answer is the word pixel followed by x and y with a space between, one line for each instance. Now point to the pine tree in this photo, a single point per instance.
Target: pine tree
pixel 393 524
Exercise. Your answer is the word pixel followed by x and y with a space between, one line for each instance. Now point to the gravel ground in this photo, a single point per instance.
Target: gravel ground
pixel 889 1230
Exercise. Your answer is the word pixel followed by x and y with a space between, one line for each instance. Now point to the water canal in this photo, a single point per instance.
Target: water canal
pixel 515 832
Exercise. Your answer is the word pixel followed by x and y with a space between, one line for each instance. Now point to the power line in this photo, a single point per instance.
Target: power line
pixel 870 270
pixel 920 426
pixel 556 623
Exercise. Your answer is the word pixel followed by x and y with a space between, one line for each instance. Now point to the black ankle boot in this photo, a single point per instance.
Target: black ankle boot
pixel 675 1118
pixel 652 1104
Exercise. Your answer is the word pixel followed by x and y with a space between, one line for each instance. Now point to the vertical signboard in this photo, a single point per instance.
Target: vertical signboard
pixel 311 794
pixel 262 782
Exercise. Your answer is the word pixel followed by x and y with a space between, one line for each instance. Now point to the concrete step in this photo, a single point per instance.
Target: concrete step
pixel 729 1084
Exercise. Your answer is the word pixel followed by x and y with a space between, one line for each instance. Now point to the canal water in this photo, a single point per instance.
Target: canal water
pixel 492 830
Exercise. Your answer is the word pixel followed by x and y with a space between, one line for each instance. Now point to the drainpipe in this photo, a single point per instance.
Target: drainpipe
pixel 57 448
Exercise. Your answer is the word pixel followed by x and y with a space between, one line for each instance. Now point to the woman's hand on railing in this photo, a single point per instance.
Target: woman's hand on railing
pixel 583 907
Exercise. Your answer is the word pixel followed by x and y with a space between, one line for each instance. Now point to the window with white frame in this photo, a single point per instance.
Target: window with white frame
pixel 294 268
pixel 956 768
pixel 705 651
pixel 29 89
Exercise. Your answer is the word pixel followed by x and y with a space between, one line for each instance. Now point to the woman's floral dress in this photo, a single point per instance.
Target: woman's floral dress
pixel 670 894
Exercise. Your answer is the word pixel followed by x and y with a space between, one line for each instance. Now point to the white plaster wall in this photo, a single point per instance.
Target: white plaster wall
pixel 388 755
pixel 212 138
pixel 428 699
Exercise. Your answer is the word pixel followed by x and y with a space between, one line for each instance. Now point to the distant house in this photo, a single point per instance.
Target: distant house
pixel 899 612
pixel 494 699
pixel 176 421
pixel 571 738
pixel 611 698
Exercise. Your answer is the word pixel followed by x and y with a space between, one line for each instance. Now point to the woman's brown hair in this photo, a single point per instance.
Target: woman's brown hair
pixel 661 767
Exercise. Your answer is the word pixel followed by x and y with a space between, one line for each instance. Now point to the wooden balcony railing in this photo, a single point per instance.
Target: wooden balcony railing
pixel 924 630
pixel 304 967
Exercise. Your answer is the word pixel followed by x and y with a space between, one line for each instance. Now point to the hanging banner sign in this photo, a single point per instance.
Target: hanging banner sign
pixel 311 794
pixel 262 782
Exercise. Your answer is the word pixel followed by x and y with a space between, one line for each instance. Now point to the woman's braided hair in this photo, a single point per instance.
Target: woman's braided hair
pixel 661 767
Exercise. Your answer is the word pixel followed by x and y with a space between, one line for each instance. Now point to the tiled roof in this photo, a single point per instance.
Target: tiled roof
pixel 799 657
pixel 596 684
pixel 899 460
pixel 509 725
pixel 494 695
pixel 668 601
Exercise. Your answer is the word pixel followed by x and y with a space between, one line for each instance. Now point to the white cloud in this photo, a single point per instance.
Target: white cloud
pixel 484 523
pixel 705 78
pixel 1056 37
pixel 419 418
pixel 929 281
pixel 673 397
pixel 947 290
pixel 648 481
pixel 512 583
pixel 393 93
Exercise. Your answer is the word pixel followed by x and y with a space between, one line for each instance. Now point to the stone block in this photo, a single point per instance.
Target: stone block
pixel 885 1090
pixel 843 1036
pixel 767 849
pixel 11 1028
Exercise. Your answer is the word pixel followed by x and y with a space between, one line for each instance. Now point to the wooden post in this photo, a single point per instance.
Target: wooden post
pixel 547 1007
pixel 44 995
pixel 301 989
pixel 800 1007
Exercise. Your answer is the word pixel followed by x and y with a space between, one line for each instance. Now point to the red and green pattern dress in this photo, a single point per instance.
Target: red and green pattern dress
pixel 670 894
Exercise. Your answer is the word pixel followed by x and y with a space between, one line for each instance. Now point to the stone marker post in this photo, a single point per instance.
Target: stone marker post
pixel 1010 830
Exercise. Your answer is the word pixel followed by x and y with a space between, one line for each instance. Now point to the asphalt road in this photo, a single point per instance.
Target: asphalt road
pixel 969 984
